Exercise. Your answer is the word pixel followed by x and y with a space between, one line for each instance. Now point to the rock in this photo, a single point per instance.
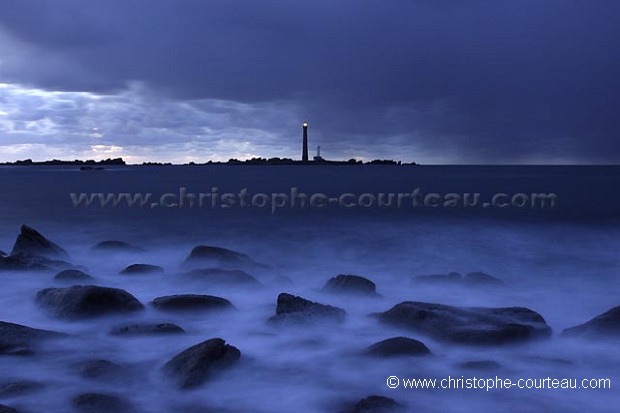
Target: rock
pixel 472 279
pixel 191 302
pixel 86 301
pixel 21 262
pixel 282 280
pixel 450 278
pixel 350 284
pixel 222 276
pixel 12 388
pixel 197 364
pixel 606 324
pixel 116 246
pixel 146 329
pixel 218 256
pixel 291 309
pixel 31 262
pixel 375 404
pixel 550 361
pixel 30 241
pixel 481 365
pixel 2 254
pixel 481 278
pixel 16 339
pixel 142 269
pixel 101 403
pixel 72 275
pixel 398 346
pixel 468 325
pixel 102 370
pixel 7 409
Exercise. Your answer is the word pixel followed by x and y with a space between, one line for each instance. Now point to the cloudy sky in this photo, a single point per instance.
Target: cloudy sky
pixel 432 81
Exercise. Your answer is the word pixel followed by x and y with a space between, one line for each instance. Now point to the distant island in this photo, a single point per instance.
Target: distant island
pixel 92 164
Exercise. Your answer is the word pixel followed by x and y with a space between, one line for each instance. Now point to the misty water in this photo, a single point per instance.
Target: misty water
pixel 563 264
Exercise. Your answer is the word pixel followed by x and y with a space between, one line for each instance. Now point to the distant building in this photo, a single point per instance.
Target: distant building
pixel 318 157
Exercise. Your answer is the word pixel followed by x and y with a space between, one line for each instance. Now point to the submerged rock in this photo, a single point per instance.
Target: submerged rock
pixel 375 404
pixel 606 324
pixel 72 275
pixel 450 278
pixel 116 246
pixel 7 409
pixel 17 387
pixel 101 370
pixel 30 241
pixel 194 366
pixel 468 325
pixel 101 403
pixel 481 365
pixel 221 257
pixel 471 279
pixel 481 278
pixel 398 346
pixel 222 276
pixel 142 269
pixel 350 284
pixel 291 309
pixel 16 339
pixel 146 329
pixel 85 301
pixel 191 302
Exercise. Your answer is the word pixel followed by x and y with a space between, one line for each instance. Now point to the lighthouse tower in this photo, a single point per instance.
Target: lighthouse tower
pixel 304 151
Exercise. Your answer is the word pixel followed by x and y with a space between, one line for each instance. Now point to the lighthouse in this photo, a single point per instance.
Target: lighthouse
pixel 304 151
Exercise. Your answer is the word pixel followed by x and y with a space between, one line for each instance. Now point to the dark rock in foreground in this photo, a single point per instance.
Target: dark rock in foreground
pixel 101 403
pixel 222 276
pixel 2 254
pixel 16 339
pixel 191 302
pixel 7 409
pixel 218 256
pixel 30 241
pixel 197 364
pixel 72 275
pixel 468 325
pixel 606 324
pixel 85 301
pixel 472 279
pixel 11 388
pixel 398 346
pixel 146 329
pixel 142 269
pixel 116 246
pixel 350 284
pixel 291 309
pixel 375 404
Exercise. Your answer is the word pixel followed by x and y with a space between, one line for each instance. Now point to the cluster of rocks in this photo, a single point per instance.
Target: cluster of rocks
pixel 199 363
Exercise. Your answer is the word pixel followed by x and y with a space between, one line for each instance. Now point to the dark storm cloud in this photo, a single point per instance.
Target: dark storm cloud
pixel 486 81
